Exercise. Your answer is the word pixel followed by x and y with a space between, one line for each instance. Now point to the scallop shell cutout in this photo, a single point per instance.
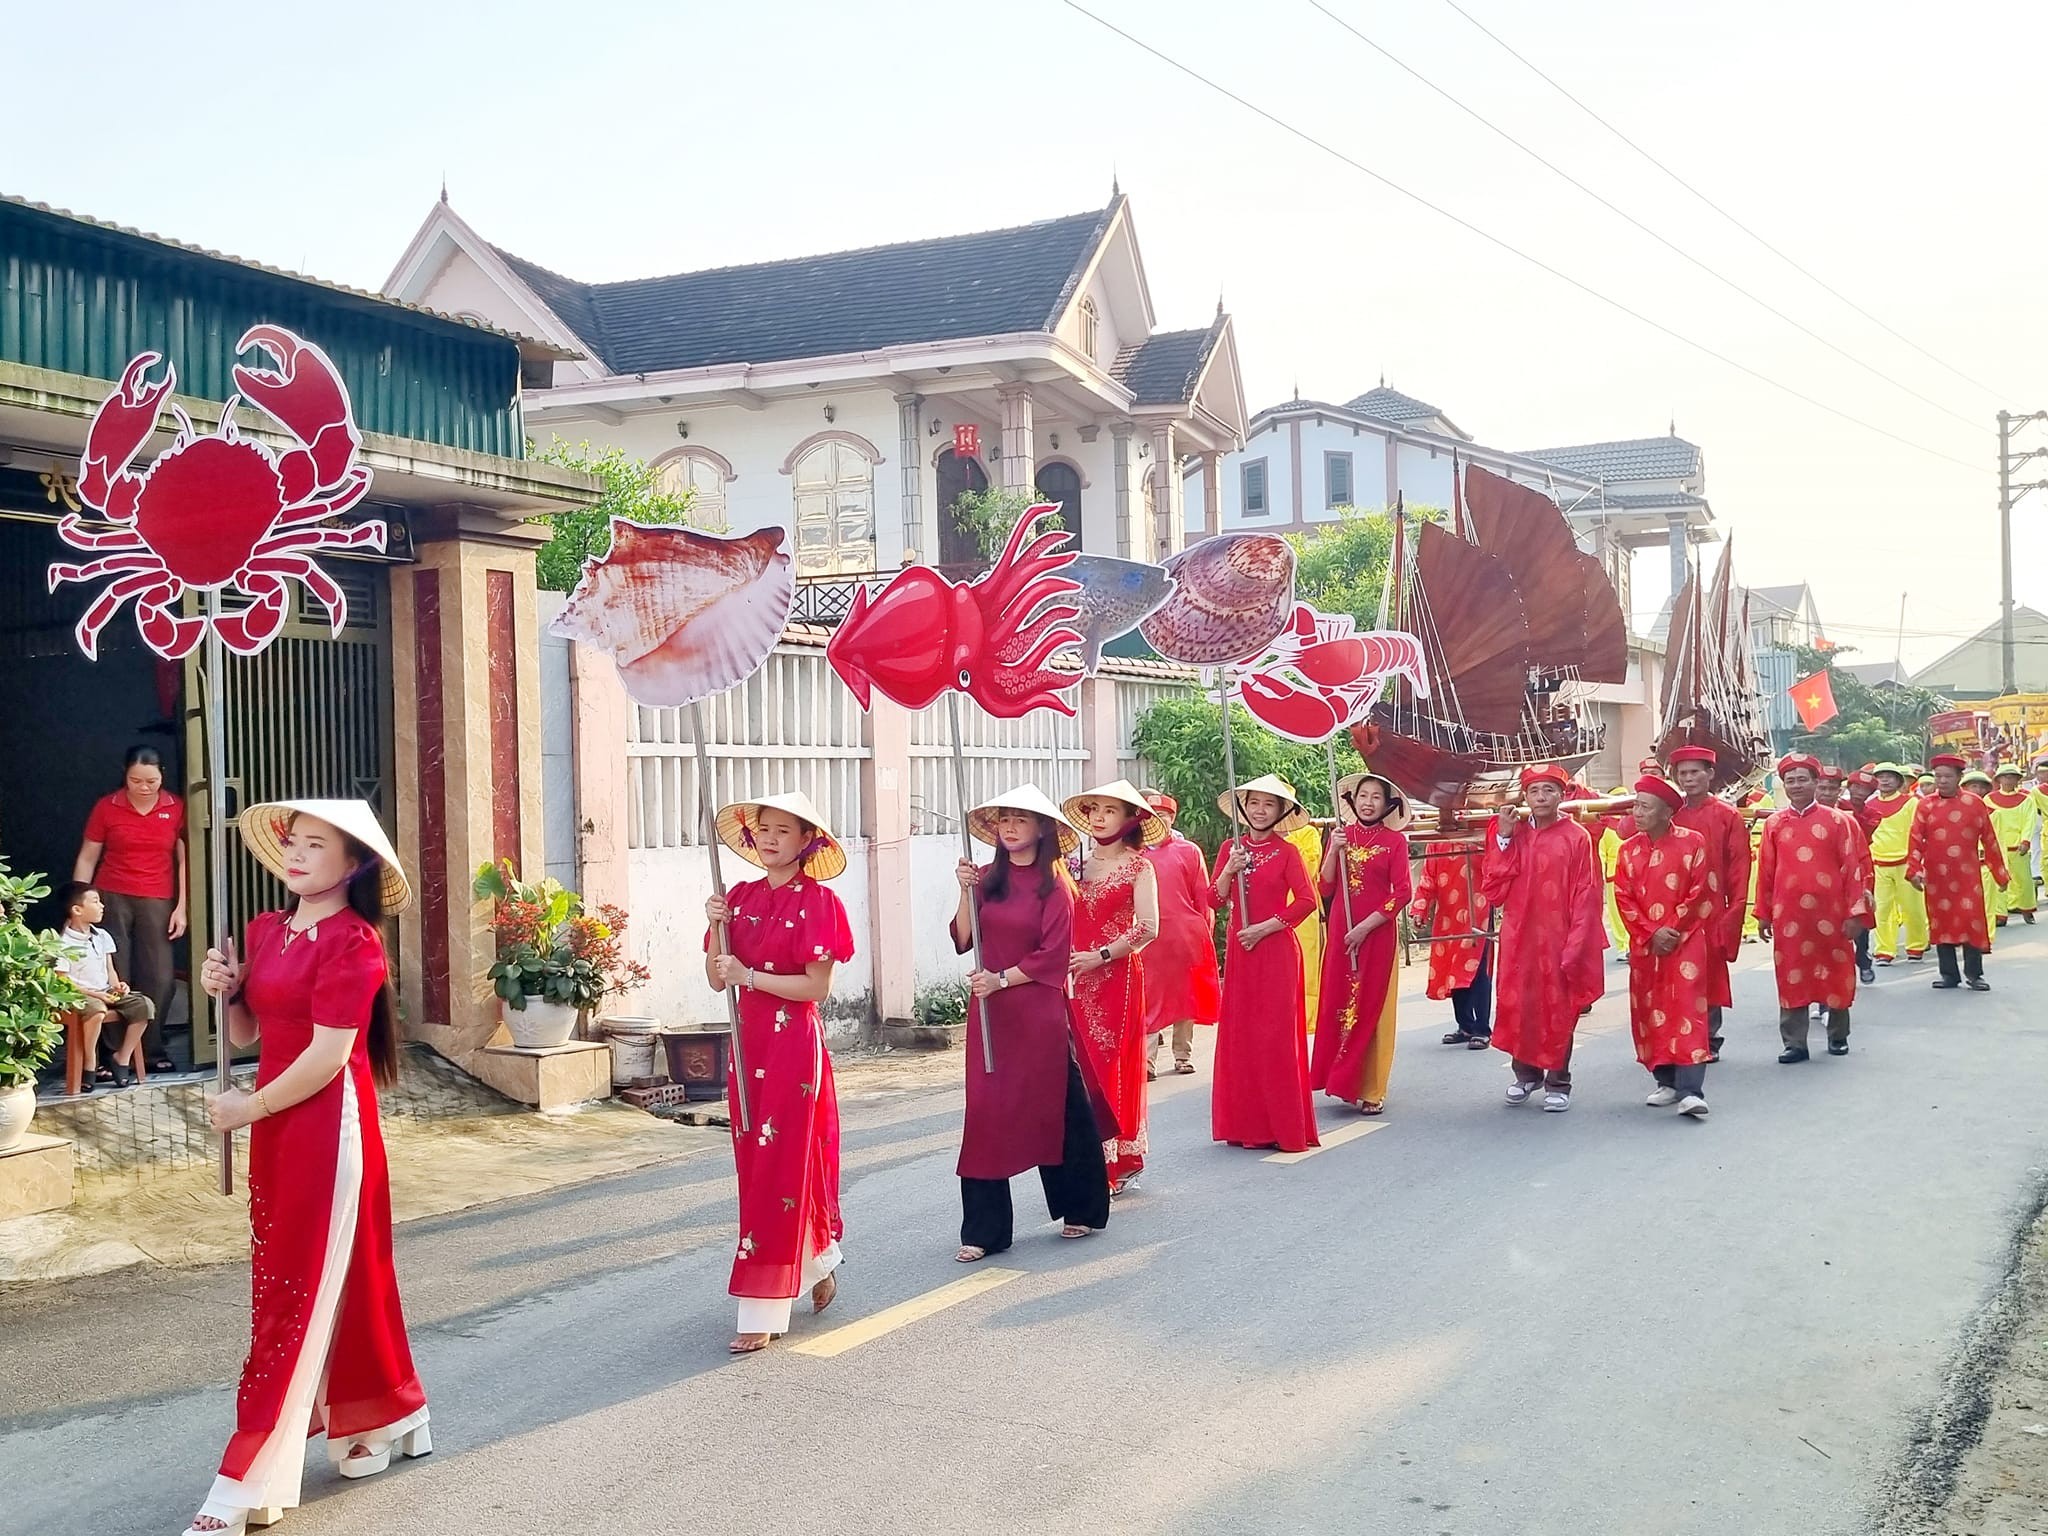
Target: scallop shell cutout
pixel 683 614
pixel 1232 595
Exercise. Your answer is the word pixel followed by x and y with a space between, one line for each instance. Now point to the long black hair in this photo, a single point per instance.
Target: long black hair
pixel 366 900
pixel 995 881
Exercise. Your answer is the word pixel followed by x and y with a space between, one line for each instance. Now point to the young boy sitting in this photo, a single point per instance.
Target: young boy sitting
pixel 89 965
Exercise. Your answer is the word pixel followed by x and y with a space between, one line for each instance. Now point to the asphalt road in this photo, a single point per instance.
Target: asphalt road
pixel 1474 1319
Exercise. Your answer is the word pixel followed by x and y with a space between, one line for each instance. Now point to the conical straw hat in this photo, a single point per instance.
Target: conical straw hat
pixel 736 823
pixel 981 821
pixel 1155 829
pixel 263 829
pixel 1267 784
pixel 1396 819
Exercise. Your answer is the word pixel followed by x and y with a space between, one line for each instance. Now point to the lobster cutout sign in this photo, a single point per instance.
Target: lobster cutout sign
pixel 218 512
pixel 1322 675
pixel 991 638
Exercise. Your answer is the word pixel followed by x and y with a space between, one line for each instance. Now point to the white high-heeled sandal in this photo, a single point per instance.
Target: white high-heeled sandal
pixel 233 1522
pixel 416 1441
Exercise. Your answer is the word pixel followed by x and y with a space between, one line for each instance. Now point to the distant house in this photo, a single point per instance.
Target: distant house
pixel 1976 668
pixel 1876 674
pixel 1782 617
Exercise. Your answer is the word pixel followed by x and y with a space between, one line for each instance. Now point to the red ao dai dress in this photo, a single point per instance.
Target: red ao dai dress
pixel 788 1163
pixel 327 1345
pixel 1354 1053
pixel 1813 875
pixel 1109 1003
pixel 1261 1094
pixel 1668 882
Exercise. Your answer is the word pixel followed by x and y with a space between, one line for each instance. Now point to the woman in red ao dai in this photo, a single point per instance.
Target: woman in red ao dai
pixel 327 1345
pixel 785 933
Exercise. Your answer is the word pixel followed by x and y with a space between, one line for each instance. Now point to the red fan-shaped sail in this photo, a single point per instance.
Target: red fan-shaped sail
pixel 1606 658
pixel 1479 631
pixel 1575 620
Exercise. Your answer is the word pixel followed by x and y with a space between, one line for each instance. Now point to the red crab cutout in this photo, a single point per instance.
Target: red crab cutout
pixel 220 511
pixel 1322 674
pixel 990 637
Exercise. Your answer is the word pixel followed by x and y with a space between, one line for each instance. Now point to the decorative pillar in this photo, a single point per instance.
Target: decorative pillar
pixel 885 824
pixel 466 739
pixel 1676 523
pixel 1212 495
pixel 910 424
pixel 1020 444
pixel 1169 532
pixel 1120 452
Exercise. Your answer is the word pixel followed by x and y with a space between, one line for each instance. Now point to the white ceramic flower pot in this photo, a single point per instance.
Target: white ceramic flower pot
pixel 17 1108
pixel 540 1024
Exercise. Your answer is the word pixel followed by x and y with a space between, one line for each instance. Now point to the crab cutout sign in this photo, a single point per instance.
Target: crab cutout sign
pixel 1322 674
pixel 218 512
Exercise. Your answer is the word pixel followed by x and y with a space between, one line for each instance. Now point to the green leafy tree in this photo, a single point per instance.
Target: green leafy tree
pixel 631 490
pixel 33 994
pixel 990 516
pixel 1873 723
pixel 1341 567
pixel 1182 738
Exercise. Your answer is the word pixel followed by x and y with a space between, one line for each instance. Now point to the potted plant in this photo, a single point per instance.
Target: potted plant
pixel 556 961
pixel 33 999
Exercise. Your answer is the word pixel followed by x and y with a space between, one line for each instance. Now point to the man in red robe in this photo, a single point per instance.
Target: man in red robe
pixel 1861 790
pixel 1664 885
pixel 1181 984
pixel 1541 876
pixel 1728 861
pixel 1813 876
pixel 1952 843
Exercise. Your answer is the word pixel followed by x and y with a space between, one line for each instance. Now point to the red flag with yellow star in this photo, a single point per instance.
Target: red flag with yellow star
pixel 1814 698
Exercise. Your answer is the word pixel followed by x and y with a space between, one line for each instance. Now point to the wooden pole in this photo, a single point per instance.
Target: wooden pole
pixel 1343 851
pixel 1230 777
pixel 217 865
pixel 720 945
pixel 988 1049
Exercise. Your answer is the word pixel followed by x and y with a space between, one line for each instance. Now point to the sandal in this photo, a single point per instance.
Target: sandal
pixel 1457 1037
pixel 824 1293
pixel 1183 1069
pixel 750 1343
pixel 103 1075
pixel 228 1521
pixel 1370 1108
pixel 1071 1230
pixel 163 1064
pixel 365 1458
pixel 969 1254
pixel 1479 1043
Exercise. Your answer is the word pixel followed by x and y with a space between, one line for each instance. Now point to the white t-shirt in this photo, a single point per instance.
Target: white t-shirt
pixel 85 957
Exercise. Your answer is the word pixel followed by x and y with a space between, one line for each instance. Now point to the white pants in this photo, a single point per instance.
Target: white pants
pixel 770 1314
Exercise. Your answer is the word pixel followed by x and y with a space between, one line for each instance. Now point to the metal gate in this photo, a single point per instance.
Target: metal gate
pixel 308 718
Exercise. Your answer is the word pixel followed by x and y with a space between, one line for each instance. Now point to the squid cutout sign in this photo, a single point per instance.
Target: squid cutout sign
pixel 990 638
pixel 1322 675
pixel 218 512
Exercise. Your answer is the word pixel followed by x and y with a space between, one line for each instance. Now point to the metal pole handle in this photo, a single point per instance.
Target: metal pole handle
pixel 721 944
pixel 988 1049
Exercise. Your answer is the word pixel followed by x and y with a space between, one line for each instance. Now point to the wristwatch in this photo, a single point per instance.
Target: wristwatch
pixel 1003 977
pixel 1104 952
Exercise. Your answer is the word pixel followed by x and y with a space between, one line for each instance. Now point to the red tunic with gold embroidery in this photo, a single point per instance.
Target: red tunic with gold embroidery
pixel 1728 861
pixel 1446 883
pixel 1548 886
pixel 1952 842
pixel 1668 882
pixel 1813 876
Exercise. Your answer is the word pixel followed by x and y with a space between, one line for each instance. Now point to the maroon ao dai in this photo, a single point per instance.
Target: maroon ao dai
pixel 1813 877
pixel 1016 1115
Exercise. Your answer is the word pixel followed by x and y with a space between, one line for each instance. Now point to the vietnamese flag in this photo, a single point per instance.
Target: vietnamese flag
pixel 1814 698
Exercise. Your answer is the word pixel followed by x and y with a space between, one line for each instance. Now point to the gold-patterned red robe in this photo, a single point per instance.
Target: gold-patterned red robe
pixel 1668 882
pixel 1952 843
pixel 1813 877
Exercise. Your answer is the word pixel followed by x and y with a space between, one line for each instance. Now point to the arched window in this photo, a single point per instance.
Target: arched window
pixel 1061 482
pixel 835 510
pixel 1091 330
pixel 703 475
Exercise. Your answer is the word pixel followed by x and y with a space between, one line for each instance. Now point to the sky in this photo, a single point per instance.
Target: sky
pixel 1890 149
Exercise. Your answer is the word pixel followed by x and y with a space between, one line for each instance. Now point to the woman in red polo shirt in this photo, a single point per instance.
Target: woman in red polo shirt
pixel 134 856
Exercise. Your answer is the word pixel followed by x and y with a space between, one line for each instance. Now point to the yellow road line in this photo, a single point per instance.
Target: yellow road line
pixel 1335 1138
pixel 866 1330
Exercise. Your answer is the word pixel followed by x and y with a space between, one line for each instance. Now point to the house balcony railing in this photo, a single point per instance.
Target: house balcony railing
pixel 825 600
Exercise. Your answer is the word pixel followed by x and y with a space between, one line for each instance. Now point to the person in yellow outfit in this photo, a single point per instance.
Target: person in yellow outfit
pixel 1610 855
pixel 1759 805
pixel 1310 933
pixel 1888 815
pixel 2012 815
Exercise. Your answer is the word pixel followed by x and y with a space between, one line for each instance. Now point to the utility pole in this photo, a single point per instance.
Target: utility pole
pixel 2008 461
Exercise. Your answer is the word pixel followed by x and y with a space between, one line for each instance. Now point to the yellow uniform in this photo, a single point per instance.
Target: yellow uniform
pixel 2012 817
pixel 1610 855
pixel 1310 933
pixel 1898 904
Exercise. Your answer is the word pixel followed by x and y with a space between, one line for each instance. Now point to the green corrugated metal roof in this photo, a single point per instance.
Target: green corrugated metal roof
pixel 83 297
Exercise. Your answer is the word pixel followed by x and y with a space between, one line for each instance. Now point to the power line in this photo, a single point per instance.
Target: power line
pixel 1671 245
pixel 1811 276
pixel 1495 240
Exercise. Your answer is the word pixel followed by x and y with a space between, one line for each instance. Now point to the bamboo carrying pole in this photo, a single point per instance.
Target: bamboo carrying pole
pixel 988 1049
pixel 1244 915
pixel 1343 852
pixel 217 866
pixel 709 814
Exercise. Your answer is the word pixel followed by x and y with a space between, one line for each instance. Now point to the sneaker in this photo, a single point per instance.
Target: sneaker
pixel 1692 1104
pixel 1661 1095
pixel 1884 959
pixel 1557 1103
pixel 1865 975
pixel 1838 1047
pixel 1519 1091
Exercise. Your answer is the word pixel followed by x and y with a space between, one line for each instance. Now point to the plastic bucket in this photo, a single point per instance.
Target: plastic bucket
pixel 632 1044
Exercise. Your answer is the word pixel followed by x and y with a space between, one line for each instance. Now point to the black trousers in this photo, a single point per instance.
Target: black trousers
pixel 1973 962
pixel 140 928
pixel 1862 947
pixel 1076 1188
pixel 1472 1007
